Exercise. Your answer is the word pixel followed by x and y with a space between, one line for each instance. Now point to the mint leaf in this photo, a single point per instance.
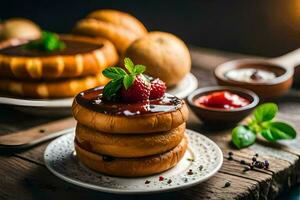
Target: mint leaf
pixel 139 69
pixel 129 65
pixel 242 136
pixel 114 73
pixel 48 42
pixel 110 91
pixel 265 112
pixel 281 130
pixel 128 81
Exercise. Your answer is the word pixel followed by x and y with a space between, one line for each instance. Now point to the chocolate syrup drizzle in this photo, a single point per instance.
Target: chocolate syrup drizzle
pixel 92 99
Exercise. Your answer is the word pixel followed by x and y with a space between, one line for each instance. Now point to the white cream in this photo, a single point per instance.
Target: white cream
pixel 250 75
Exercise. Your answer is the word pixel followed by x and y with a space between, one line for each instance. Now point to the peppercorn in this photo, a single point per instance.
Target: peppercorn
pixel 256 155
pixel 230 153
pixel 266 163
pixel 259 164
pixel 169 181
pixel 227 184
pixel 247 168
pixel 243 162
pixel 253 159
pixel 147 182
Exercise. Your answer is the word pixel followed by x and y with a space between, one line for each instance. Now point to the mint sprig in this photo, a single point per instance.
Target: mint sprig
pixel 262 123
pixel 48 42
pixel 120 78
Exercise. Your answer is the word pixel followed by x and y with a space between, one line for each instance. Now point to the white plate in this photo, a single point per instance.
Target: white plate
pixel 62 106
pixel 203 157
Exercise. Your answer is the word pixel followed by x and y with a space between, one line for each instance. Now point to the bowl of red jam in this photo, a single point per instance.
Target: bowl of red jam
pixel 222 106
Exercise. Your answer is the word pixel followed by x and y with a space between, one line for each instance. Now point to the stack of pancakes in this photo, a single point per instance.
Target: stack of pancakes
pixel 114 140
pixel 63 73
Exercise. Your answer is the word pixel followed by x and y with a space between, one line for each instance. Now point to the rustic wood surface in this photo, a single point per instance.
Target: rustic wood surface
pixel 24 175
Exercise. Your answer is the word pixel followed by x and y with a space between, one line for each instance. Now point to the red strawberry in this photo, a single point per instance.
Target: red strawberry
pixel 158 89
pixel 138 91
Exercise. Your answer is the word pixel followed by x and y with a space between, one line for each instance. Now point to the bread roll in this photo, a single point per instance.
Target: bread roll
pixel 118 27
pixel 164 55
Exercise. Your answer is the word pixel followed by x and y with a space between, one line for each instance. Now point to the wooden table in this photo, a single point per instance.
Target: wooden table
pixel 23 174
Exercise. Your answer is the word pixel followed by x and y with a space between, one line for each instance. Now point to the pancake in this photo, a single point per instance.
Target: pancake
pixel 128 146
pixel 132 167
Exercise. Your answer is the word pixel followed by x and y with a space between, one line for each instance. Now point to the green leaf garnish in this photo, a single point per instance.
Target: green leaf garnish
pixel 242 136
pixel 120 78
pixel 114 73
pixel 139 69
pixel 262 123
pixel 265 112
pixel 129 65
pixel 48 42
pixel 110 91
pixel 281 130
pixel 128 80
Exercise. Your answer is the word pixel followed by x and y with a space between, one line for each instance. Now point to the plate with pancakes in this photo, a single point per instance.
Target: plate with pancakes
pixel 131 137
pixel 201 160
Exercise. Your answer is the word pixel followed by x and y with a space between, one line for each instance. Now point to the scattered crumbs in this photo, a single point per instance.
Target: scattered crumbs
pixel 200 167
pixel 227 184
pixel 191 159
pixel 147 182
pixel 169 181
pixel 161 178
pixel 185 180
pixel 190 172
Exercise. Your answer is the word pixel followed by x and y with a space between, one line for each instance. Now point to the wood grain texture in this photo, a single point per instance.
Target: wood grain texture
pixel 259 184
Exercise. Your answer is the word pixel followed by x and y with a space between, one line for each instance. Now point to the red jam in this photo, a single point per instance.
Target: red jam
pixel 222 100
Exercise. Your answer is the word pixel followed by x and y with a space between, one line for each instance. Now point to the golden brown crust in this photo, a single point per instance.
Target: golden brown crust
pixel 118 27
pixel 164 54
pixel 118 18
pixel 133 167
pixel 60 66
pixel 128 146
pixel 51 89
pixel 149 123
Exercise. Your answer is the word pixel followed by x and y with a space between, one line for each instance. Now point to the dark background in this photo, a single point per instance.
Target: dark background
pixel 261 27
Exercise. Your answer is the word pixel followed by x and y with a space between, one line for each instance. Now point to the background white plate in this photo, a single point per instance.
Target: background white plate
pixel 203 157
pixel 62 106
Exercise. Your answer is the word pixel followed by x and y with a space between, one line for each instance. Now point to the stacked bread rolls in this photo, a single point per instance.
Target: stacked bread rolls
pixel 34 74
pixel 165 55
pixel 128 145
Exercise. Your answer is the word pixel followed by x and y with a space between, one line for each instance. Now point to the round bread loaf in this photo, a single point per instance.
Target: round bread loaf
pixel 51 89
pixel 132 167
pixel 128 146
pixel 89 58
pixel 119 27
pixel 20 28
pixel 138 124
pixel 164 54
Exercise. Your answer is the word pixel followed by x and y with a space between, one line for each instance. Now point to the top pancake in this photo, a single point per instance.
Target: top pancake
pixel 119 117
